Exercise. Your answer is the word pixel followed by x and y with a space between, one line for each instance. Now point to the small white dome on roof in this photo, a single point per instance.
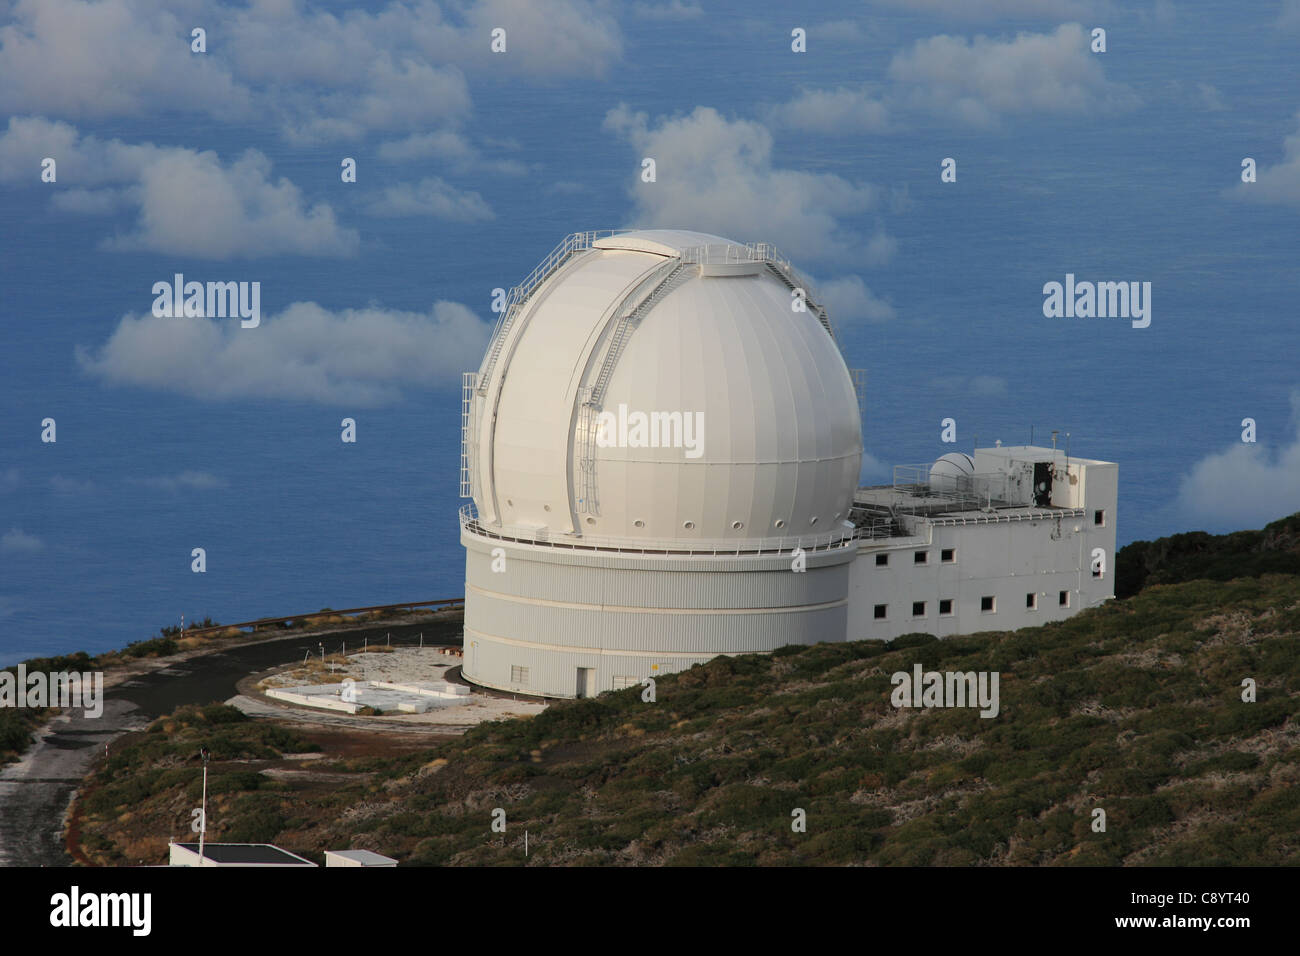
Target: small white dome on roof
pixel 951 472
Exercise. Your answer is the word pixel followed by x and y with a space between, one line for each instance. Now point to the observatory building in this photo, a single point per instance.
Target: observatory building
pixel 662 447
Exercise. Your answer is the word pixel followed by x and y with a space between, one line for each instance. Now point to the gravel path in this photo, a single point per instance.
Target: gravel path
pixel 35 793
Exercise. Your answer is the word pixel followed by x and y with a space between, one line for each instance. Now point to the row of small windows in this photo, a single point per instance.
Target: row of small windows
pixel 988 605
pixel 946 556
pixel 949 555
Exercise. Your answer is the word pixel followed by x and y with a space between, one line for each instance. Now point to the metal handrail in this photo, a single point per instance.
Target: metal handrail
pixel 518 294
pixel 585 542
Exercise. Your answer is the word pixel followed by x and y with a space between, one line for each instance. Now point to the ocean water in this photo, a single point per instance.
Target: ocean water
pixel 293 520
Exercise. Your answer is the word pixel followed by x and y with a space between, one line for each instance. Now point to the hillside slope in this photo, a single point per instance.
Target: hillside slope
pixel 1134 708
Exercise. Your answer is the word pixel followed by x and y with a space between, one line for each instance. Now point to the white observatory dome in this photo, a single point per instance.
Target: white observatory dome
pixel 659 386
pixel 952 472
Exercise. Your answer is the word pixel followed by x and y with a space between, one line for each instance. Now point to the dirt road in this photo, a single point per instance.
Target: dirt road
pixel 35 792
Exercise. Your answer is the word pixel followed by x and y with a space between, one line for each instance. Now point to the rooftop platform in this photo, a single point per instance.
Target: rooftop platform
pixel 1004 490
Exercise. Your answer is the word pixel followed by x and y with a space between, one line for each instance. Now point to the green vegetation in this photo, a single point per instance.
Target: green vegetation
pixel 1187 557
pixel 1134 708
pixel 165 763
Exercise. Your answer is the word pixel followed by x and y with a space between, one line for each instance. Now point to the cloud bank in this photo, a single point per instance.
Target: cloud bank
pixel 360 357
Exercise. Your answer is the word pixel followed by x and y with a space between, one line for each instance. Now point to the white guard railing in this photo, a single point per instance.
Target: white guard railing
pixel 824 542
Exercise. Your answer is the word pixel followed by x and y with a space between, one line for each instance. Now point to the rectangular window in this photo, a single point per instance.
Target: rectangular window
pixel 880 611
pixel 1031 601
pixel 624 680
pixel 987 605
pixel 882 560
pixel 1099 518
pixel 518 675
pixel 918 609
pixel 945 607
pixel 948 555
pixel 1064 599
pixel 921 557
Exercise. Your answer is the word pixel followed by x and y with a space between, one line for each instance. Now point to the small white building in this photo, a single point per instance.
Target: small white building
pixel 233 854
pixel 1023 536
pixel 357 858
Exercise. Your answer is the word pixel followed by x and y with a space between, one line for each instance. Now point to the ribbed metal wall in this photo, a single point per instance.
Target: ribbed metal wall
pixel 629 616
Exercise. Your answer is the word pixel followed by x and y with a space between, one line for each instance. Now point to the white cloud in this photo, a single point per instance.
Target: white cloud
pixel 841 31
pixel 10 479
pixel 319 75
pixel 446 145
pixel 1288 17
pixel 111 58
pixel 557 38
pixel 189 202
pixel 17 541
pixel 676 10
pixel 980 80
pixel 1275 184
pixel 842 110
pixel 185 481
pixel 1211 98
pixel 716 175
pixel 91 202
pixel 1245 485
pixel 997 9
pixel 848 300
pixel 987 385
pixel 451 148
pixel 193 205
pixel 432 197
pixel 71 486
pixel 361 357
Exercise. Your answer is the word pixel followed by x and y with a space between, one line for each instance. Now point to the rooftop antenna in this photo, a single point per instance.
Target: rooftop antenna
pixel 1031 435
pixel 1054 434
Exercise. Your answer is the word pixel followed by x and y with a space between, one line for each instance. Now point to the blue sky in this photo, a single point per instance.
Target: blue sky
pixel 224 165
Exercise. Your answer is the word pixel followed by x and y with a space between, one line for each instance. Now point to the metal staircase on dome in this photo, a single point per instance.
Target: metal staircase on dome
pixel 518 295
pixel 661 282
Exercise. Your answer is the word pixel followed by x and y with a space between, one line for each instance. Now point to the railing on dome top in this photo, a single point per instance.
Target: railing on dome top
pixel 779 264
pixel 830 541
pixel 793 279
pixel 518 295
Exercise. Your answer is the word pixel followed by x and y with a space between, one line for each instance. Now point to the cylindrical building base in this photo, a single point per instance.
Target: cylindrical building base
pixel 562 622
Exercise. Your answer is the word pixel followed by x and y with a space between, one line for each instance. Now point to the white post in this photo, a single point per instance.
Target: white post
pixel 203 813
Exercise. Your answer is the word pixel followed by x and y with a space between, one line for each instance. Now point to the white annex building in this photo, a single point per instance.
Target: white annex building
pixel 663 444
